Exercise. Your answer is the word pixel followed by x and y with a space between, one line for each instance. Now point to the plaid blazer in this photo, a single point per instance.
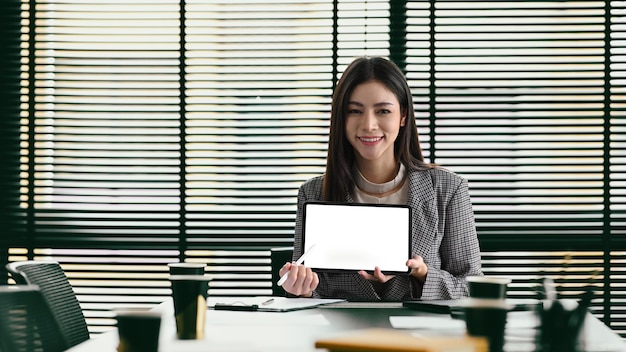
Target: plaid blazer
pixel 443 233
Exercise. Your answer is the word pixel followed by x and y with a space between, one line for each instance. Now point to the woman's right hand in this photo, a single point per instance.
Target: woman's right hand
pixel 301 280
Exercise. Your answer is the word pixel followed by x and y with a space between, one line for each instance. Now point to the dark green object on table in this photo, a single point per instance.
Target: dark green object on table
pixel 561 325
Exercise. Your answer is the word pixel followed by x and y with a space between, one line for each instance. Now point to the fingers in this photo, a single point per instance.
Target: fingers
pixel 284 269
pixel 415 262
pixel 301 280
pixel 419 269
pixel 376 276
pixel 367 276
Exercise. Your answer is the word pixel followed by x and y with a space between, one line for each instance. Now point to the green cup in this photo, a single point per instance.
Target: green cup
pixel 138 330
pixel 487 318
pixel 189 293
pixel 184 268
pixel 485 287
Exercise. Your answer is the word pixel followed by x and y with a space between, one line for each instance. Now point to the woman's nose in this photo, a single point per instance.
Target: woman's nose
pixel 369 121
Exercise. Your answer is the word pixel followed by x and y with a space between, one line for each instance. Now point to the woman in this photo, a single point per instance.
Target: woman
pixel 374 156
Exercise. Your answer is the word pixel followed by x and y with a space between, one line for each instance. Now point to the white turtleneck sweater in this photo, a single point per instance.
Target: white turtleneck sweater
pixel 400 196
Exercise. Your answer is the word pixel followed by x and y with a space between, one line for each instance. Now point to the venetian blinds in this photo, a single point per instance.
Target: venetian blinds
pixel 157 131
pixel 153 131
pixel 525 100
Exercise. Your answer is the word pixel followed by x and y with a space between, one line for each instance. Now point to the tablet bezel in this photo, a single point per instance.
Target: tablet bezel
pixel 404 239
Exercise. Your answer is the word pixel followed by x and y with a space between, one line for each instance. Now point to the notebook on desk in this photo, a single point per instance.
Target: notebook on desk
pixel 453 306
pixel 433 306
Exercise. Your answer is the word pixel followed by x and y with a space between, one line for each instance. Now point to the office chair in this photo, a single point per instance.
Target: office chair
pixel 278 258
pixel 26 321
pixel 58 293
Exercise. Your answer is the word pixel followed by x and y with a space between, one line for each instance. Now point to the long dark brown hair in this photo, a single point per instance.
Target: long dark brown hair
pixel 338 180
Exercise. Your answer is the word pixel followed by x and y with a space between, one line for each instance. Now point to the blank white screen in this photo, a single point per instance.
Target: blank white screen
pixel 357 237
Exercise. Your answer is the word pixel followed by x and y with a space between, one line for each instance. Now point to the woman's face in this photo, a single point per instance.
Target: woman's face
pixel 373 121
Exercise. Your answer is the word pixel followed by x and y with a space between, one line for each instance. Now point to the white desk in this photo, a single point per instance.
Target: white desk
pixel 298 330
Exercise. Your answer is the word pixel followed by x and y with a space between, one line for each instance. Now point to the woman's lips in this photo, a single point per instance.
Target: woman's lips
pixel 370 140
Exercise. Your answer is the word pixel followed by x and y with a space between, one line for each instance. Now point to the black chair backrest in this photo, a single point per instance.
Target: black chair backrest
pixel 278 257
pixel 26 322
pixel 58 293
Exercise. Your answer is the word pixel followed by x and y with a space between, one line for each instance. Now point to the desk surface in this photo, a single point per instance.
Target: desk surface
pixel 298 330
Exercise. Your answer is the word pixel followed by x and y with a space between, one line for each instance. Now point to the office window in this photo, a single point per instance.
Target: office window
pixel 148 132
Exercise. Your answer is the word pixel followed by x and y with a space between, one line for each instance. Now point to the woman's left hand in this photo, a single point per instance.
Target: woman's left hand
pixel 419 269
pixel 377 276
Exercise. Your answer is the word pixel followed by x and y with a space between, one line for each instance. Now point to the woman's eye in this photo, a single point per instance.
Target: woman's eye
pixel 354 112
pixel 384 111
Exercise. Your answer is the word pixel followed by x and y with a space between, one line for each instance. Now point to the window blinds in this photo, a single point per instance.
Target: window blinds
pixel 158 131
pixel 520 102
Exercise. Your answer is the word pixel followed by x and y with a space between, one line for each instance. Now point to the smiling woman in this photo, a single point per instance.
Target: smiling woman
pixel 373 145
pixel 135 134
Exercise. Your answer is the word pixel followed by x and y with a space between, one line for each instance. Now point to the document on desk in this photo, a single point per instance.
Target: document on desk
pixel 267 303
pixel 428 322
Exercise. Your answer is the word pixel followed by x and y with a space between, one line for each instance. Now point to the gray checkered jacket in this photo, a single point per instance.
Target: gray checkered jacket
pixel 443 233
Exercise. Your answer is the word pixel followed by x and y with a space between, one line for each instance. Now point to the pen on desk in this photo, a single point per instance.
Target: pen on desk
pixel 269 301
pixel 283 278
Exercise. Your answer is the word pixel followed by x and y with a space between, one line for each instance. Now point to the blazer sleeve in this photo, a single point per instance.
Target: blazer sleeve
pixel 459 249
pixel 310 190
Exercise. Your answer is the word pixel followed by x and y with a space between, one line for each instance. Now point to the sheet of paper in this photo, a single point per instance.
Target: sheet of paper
pixel 427 322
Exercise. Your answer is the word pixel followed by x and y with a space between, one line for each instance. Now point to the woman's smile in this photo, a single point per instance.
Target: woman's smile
pixel 370 140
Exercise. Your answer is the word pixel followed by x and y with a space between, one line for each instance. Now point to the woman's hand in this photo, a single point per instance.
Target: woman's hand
pixel 377 276
pixel 301 281
pixel 418 268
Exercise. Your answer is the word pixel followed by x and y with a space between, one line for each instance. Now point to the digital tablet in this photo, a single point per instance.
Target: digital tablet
pixel 356 236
